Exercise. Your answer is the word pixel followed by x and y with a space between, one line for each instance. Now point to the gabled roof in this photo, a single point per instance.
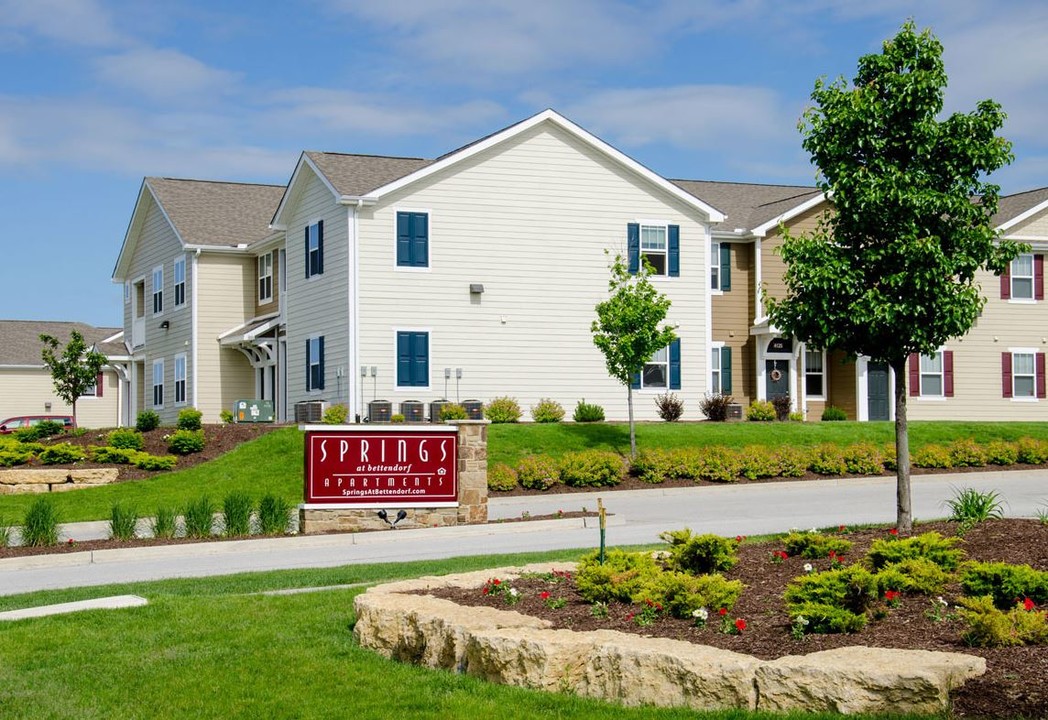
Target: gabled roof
pixel 20 339
pixel 1013 209
pixel 749 205
pixel 353 178
pixel 204 213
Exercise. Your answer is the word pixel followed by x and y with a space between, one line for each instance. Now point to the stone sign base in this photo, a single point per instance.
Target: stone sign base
pixel 472 495
pixel 14 482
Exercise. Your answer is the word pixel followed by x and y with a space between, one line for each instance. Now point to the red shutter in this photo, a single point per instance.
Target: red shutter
pixel 1038 277
pixel 915 375
pixel 1006 375
pixel 1040 375
pixel 99 381
pixel 947 372
pixel 1006 282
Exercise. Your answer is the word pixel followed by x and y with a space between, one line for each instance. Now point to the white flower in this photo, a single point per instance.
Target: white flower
pixel 814 530
pixel 513 592
pixel 942 602
pixel 660 555
pixel 808 567
pixel 802 621
pixel 700 613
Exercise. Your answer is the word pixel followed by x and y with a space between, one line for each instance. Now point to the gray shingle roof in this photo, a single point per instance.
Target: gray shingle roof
pixel 356 175
pixel 217 213
pixel 747 205
pixel 20 339
pixel 1012 206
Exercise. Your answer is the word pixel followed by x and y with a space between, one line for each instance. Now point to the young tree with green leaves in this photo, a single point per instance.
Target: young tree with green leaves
pixel 74 369
pixel 627 328
pixel 892 270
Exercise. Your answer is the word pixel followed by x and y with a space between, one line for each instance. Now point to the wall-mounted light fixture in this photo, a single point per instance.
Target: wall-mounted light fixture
pixel 164 325
pixel 476 288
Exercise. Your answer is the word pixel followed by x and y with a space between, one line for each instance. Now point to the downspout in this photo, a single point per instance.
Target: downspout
pixel 709 309
pixel 193 331
pixel 353 311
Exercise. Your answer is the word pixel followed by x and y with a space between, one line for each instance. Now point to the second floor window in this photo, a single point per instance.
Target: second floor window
pixel 659 245
pixel 158 290
pixel 180 281
pixel 412 239
pixel 1022 277
pixel 315 249
pixel 265 277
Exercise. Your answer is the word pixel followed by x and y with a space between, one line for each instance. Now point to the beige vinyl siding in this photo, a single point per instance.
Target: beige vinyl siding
pixel 273 304
pixel 530 220
pixel 1032 227
pixel 226 299
pixel 23 391
pixel 318 305
pixel 773 268
pixel 733 314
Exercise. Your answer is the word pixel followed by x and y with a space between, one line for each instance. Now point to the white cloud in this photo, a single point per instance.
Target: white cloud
pixel 75 22
pixel 164 75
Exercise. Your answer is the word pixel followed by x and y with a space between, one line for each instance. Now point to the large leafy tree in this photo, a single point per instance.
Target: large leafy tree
pixel 892 270
pixel 627 329
pixel 73 369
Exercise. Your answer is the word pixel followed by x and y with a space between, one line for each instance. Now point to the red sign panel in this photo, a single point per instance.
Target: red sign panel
pixel 381 466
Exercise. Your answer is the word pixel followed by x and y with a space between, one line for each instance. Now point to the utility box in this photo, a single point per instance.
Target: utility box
pixel 380 411
pixel 734 411
pixel 474 409
pixel 412 410
pixel 251 411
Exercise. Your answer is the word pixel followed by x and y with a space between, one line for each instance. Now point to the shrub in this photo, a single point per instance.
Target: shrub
pixel 915 575
pixel 824 619
pixel 852 588
pixel 989 626
pixel 274 514
pixel 591 468
pixel 41 430
pixel 970 507
pixel 1033 452
pixel 538 472
pixel 864 459
pixel 189 419
pixel 501 478
pixel 502 410
pixel 700 554
pixel 622 575
pixel 715 406
pixel 967 453
pixel 123 522
pixel 1005 583
pixel 931 456
pixel 5 534
pixel 397 418
pixel 40 526
pixel 125 439
pixel 61 454
pixel 145 461
pixel 186 442
pixel 669 406
pixel 199 518
pixel 930 546
pixel 815 545
pixel 827 459
pixel 227 416
pixel 113 455
pixel 1002 452
pixel 782 405
pixel 757 461
pixel 164 523
pixel 335 415
pixel 793 461
pixel 796 417
pixel 833 414
pixel 236 514
pixel 681 594
pixel 587 412
pixel 651 466
pixel 760 411
pixel 547 411
pixel 147 420
pixel 10 458
pixel 453 411
pixel 717 464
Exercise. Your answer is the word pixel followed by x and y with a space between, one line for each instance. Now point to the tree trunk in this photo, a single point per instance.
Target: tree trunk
pixel 904 514
pixel 633 436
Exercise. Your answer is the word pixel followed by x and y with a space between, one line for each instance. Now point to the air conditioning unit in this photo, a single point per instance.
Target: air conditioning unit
pixel 412 410
pixel 734 411
pixel 310 411
pixel 379 411
pixel 435 409
pixel 474 409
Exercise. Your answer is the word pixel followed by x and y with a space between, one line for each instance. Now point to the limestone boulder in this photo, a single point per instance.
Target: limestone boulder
pixel 20 489
pixel 862 679
pixel 552 660
pixel 33 477
pixel 94 476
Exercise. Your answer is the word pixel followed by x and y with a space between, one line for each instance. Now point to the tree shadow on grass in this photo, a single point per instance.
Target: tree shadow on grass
pixel 601 436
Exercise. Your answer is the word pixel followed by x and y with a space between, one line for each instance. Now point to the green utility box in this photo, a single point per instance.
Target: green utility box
pixel 252 411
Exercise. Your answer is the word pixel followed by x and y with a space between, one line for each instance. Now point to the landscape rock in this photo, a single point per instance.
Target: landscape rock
pixel 33 477
pixel 94 476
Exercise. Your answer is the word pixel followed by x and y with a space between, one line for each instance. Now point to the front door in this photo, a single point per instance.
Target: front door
pixel 877 391
pixel 777 378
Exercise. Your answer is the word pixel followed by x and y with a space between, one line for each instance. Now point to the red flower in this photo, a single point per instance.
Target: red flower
pixel 496 581
pixel 740 624
pixel 1028 604
pixel 486 590
pixel 740 538
pixel 544 595
pixel 842 528
pixel 893 531
pixel 722 612
pixel 891 595
pixel 833 554
pixel 658 606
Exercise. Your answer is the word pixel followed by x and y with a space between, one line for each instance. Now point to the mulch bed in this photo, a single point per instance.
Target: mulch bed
pixel 1016 682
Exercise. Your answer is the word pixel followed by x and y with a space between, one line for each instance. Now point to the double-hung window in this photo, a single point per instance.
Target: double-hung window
pixel 1022 374
pixel 653 247
pixel 662 370
pixel 1022 277
pixel 658 245
pixel 314 237
pixel 412 239
pixel 180 379
pixel 180 281
pixel 932 383
pixel 158 290
pixel 158 383
pixel 265 277
pixel 715 266
pixel 720 370
pixel 412 359
pixel 94 390
pixel 814 374
pixel 315 363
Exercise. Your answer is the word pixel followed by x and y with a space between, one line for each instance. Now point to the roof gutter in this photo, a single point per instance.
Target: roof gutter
pixel 358 200
pixel 237 249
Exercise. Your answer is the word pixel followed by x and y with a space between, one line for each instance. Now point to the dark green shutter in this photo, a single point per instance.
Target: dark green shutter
pixel 307 260
pixel 635 381
pixel 420 233
pixel 675 364
pixel 403 239
pixel 633 249
pixel 403 359
pixel 320 380
pixel 725 266
pixel 320 263
pixel 674 250
pixel 420 359
pixel 725 370
pixel 309 376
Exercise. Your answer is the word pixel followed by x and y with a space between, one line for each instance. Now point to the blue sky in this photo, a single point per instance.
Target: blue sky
pixel 96 94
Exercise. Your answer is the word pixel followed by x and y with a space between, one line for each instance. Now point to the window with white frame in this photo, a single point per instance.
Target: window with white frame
pixel 158 383
pixel 933 382
pixel 1024 375
pixel 656 373
pixel 315 249
pixel 180 379
pixel 1022 276
pixel 814 374
pixel 315 363
pixel 715 371
pixel 653 247
pixel 180 281
pixel 715 266
pixel 158 290
pixel 92 390
pixel 265 277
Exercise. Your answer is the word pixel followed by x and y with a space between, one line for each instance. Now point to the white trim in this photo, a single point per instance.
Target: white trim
pixel 258 278
pixel 862 389
pixel 174 383
pixel 303 159
pixel 152 290
pixel 194 335
pixel 762 230
pixel 942 376
pixel 309 373
pixel 429 240
pixel 175 305
pixel 153 385
pixel 320 250
pixel 429 360
pixel 758 281
pixel 1023 216
pixel 376 506
pixel 825 376
pixel 353 313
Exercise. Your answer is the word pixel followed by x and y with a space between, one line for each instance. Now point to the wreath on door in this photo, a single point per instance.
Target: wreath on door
pixel 776 375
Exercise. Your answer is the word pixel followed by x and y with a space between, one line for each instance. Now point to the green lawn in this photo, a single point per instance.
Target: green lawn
pixel 209 648
pixel 273 463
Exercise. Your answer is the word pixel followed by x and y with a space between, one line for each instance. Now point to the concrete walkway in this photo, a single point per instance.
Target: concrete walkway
pixel 638 517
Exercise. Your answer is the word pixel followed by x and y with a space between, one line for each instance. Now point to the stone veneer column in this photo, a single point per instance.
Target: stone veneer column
pixel 472 494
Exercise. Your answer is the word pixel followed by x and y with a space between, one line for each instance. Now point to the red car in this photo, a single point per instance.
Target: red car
pixel 14 423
